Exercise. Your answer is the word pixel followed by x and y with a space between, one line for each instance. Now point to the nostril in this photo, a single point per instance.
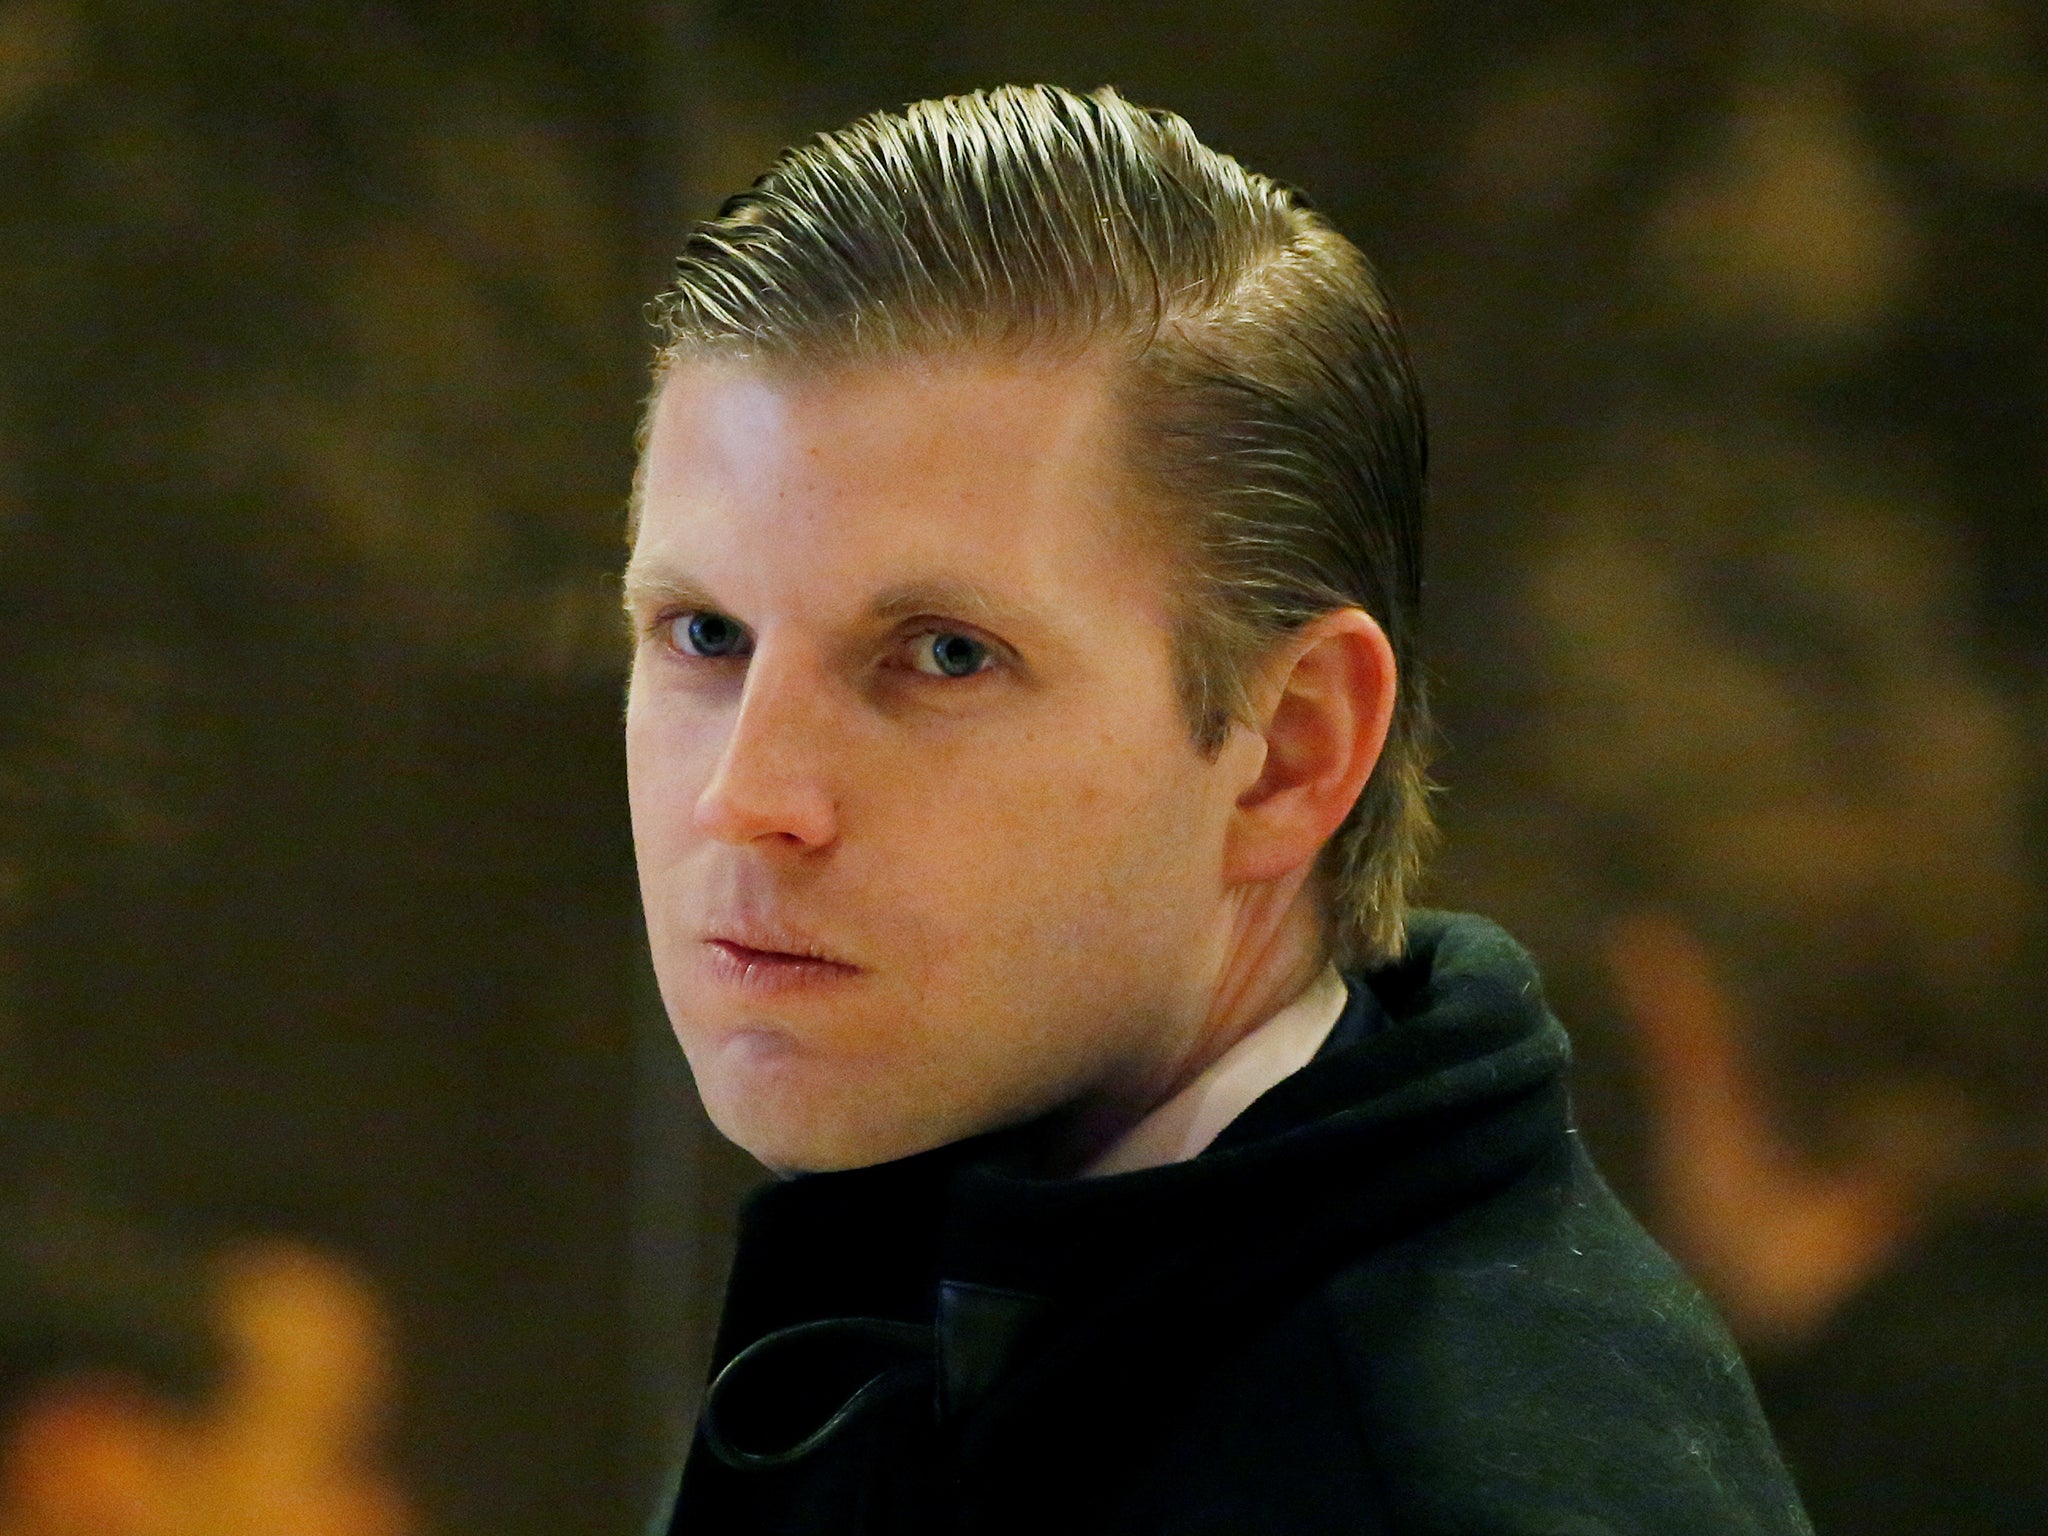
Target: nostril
pixel 765 808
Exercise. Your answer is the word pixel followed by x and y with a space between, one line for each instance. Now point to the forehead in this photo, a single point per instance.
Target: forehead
pixel 1014 464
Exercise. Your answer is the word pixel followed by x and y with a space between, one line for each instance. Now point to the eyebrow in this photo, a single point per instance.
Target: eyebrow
pixel 937 596
pixel 944 595
pixel 642 588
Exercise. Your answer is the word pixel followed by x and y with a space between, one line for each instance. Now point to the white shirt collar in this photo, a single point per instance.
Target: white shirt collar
pixel 1186 1123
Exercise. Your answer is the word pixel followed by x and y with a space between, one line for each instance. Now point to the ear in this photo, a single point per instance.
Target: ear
pixel 1328 700
pixel 85 1455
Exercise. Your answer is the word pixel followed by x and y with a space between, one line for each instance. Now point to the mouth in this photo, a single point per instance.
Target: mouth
pixel 773 963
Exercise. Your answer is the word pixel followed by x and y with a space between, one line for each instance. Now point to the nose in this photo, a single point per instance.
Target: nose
pixel 769 786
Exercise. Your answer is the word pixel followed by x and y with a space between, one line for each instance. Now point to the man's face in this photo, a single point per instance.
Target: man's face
pixel 925 844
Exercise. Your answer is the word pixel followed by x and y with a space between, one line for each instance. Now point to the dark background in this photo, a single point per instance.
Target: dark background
pixel 321 352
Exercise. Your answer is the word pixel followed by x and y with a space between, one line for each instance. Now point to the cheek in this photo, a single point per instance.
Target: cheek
pixel 1063 854
pixel 668 762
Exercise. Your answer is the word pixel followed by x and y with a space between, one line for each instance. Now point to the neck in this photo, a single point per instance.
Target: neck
pixel 1274 949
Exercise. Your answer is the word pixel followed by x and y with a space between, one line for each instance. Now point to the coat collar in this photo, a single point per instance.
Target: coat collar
pixel 1457 1092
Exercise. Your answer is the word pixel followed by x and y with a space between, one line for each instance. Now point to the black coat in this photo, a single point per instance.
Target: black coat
pixel 1394 1297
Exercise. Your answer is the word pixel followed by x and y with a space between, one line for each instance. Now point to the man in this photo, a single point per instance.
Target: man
pixel 1026 746
pixel 145 1392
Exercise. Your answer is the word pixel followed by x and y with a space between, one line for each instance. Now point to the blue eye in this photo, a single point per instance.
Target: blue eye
pixel 948 654
pixel 711 635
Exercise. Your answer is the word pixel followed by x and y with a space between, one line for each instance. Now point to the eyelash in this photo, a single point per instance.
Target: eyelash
pixel 672 628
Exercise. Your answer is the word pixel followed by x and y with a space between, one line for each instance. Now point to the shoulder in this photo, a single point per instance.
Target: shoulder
pixel 1536 1363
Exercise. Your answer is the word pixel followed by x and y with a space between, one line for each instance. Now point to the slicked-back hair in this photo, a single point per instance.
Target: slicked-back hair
pixel 1270 404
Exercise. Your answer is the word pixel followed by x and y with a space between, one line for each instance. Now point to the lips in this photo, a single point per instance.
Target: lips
pixel 753 955
pixel 773 943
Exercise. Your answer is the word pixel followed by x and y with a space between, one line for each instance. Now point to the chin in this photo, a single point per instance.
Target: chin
pixel 795 1144
pixel 790 1130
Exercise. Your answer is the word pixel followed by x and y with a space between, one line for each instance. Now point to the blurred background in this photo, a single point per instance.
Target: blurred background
pixel 321 351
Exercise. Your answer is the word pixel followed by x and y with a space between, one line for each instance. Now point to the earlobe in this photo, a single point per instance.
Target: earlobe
pixel 1330 698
